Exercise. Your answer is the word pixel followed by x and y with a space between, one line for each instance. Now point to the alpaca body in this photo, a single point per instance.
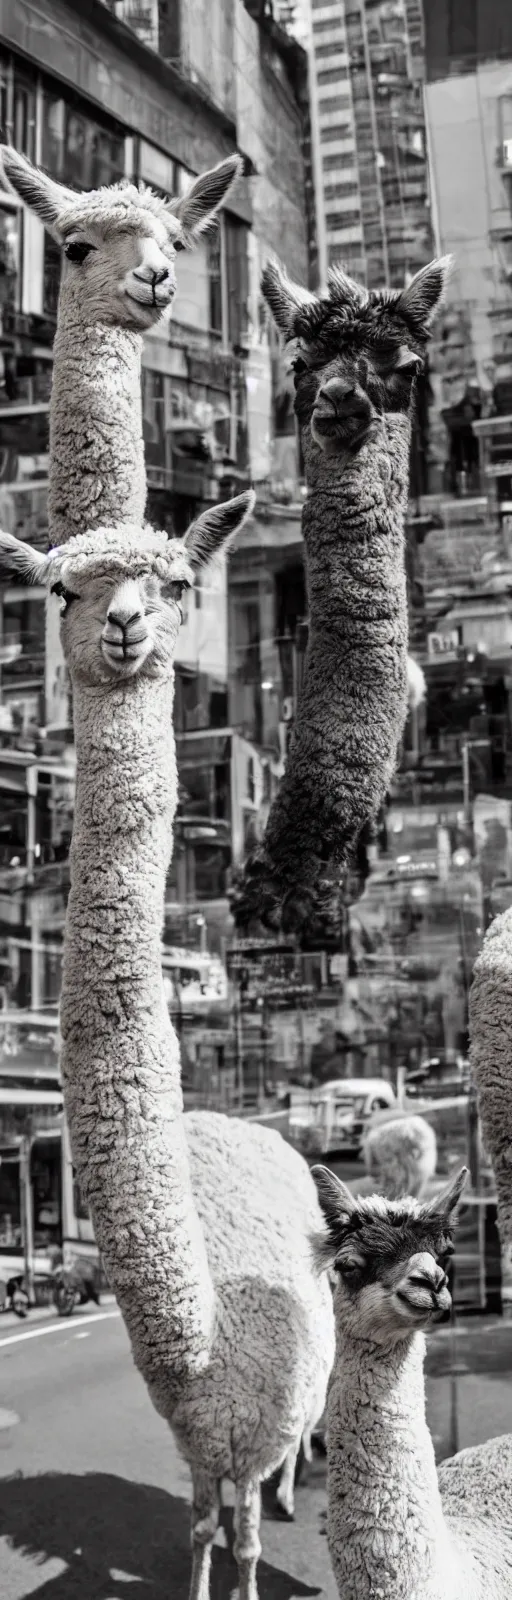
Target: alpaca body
pixel 356 666
pixel 242 1177
pixel 396 1530
pixel 97 472
pixel 199 1284
pixel 355 358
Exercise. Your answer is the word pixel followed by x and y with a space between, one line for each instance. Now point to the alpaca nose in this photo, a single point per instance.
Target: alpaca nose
pixel 152 275
pixel 119 619
pixel 337 391
pixel 161 276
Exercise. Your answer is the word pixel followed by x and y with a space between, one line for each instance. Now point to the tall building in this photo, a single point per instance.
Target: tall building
pixel 368 134
pixel 468 102
pixel 155 93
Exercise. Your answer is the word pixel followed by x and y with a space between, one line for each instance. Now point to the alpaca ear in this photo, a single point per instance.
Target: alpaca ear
pixel 420 301
pixel 336 1201
pixel 216 528
pixel 19 562
pixel 283 296
pixel 444 1205
pixel 343 290
pixel 197 208
pixel 44 197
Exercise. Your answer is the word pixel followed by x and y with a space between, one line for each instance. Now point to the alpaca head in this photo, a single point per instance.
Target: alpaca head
pixel 119 244
pixel 389 1257
pixel 356 352
pixel 121 590
pixel 400 1155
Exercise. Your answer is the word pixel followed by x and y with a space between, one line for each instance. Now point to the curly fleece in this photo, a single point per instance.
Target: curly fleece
pixel 203 1222
pixel 397 1529
pixel 356 669
pixel 490 1012
pixel 97 473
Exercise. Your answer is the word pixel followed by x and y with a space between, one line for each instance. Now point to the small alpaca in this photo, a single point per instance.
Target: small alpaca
pixel 400 1156
pixel 119 246
pixel 203 1221
pixel 356 355
pixel 397 1529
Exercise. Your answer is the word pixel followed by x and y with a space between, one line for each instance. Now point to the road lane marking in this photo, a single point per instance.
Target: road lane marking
pixel 53 1327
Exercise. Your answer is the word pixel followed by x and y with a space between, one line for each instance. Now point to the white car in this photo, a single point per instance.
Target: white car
pixel 339 1112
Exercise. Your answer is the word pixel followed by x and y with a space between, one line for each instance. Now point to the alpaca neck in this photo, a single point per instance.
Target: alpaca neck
pixel 97 471
pixel 386 1527
pixel 353 527
pixel 120 1055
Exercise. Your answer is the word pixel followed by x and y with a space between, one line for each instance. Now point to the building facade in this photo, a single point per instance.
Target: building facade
pixel 133 91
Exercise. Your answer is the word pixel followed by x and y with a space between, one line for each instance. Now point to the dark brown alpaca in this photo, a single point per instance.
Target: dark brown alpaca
pixel 355 358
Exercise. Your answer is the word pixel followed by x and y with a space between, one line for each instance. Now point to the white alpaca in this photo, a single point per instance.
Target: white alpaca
pixel 204 1222
pixel 397 1529
pixel 400 1156
pixel 119 247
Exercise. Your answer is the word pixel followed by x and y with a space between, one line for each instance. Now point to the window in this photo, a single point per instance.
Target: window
pixel 342 219
pixel 9 260
pixel 340 191
pixel 344 158
pixel 322 24
pixel 338 131
pixel 323 5
pixel 324 52
pixel 77 148
pixel 332 75
pixel 237 274
pixel 333 102
pixel 214 264
pixel 24 115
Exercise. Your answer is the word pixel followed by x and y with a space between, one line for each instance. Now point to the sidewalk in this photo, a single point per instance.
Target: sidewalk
pixel 42 1314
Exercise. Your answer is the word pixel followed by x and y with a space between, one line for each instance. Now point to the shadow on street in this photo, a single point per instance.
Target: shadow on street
pixel 111 1533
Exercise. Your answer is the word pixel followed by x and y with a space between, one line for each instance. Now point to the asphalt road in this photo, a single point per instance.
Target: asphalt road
pixel 93 1495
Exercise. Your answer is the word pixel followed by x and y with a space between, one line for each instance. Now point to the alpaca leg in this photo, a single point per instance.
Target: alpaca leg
pixel 247 1546
pixel 285 1492
pixel 205 1519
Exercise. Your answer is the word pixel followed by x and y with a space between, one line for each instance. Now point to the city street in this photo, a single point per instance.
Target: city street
pixel 94 1497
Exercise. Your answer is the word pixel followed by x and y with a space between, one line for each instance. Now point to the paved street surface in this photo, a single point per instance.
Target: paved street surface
pixel 94 1498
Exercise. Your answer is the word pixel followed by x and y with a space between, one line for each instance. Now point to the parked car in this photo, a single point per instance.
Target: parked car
pixel 445 1074
pixel 337 1114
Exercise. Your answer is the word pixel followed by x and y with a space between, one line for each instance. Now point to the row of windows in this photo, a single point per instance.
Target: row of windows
pixel 333 102
pixel 339 131
pixel 340 191
pixel 342 219
pixel 342 255
pixel 326 25
pixel 332 75
pixel 323 52
pixel 343 158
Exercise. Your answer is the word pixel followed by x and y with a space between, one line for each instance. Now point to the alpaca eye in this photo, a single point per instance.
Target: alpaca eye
pixel 299 366
pixel 63 594
pixel 348 1266
pixel 77 252
pixel 178 244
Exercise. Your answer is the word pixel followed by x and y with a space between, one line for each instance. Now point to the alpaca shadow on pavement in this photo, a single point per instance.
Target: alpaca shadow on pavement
pixel 118 1539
